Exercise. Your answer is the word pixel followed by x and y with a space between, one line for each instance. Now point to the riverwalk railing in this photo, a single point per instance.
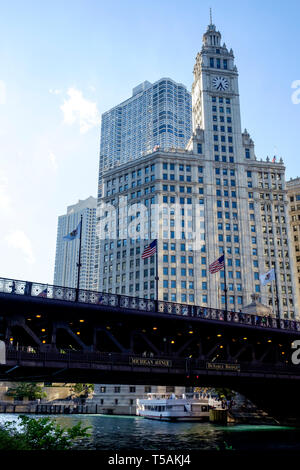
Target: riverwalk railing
pixel 69 294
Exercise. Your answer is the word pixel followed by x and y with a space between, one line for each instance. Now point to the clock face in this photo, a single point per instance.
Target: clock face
pixel 220 83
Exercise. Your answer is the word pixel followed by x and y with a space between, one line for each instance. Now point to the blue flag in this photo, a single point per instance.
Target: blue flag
pixel 73 235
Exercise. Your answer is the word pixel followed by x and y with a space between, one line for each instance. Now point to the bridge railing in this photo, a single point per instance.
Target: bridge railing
pixel 75 358
pixel 71 356
pixel 69 294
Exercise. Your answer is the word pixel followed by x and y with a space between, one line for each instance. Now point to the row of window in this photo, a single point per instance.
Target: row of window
pixel 217 128
pixel 182 189
pixel 221 109
pixel 223 158
pixel 220 99
pixel 173 259
pixel 222 138
pixel 218 63
pixel 118 389
pixel 222 119
pixel 223 148
pixel 180 167
pixel 134 174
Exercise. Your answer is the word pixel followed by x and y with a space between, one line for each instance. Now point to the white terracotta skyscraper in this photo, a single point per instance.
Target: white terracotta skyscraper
pixel 235 203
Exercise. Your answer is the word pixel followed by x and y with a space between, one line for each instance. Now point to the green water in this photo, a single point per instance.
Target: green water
pixel 125 433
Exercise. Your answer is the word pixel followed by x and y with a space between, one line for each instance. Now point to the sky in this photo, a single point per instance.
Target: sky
pixel 65 62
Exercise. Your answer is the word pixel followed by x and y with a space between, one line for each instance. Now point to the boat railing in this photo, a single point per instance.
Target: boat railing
pixel 181 396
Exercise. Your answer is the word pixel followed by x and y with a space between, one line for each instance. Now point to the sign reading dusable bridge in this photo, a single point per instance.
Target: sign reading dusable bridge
pixel 223 366
pixel 148 362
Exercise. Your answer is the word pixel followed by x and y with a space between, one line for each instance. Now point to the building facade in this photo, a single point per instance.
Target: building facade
pixel 157 113
pixel 211 199
pixel 293 188
pixel 66 259
pixel 121 399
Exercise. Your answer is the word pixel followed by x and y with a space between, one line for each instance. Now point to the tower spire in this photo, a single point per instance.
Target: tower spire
pixel 210 16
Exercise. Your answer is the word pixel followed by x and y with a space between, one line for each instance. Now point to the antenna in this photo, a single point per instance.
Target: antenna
pixel 210 14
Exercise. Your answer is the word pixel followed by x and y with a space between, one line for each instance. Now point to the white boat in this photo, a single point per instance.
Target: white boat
pixel 173 408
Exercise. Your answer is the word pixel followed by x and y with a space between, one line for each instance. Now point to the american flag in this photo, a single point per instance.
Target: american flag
pixel 217 265
pixel 149 250
pixel 43 293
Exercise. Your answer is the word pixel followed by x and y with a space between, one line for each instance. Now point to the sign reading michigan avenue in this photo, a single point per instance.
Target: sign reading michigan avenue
pixel 223 366
pixel 149 362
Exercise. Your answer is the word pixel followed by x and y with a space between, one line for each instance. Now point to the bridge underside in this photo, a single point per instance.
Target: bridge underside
pixel 56 341
pixel 275 393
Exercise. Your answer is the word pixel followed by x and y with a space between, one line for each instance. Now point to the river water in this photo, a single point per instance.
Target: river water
pixel 124 433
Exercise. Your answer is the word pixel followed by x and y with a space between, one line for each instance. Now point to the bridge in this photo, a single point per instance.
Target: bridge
pixel 60 334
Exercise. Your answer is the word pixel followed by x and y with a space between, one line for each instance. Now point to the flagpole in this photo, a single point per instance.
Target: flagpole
pixel 277 296
pixel 79 261
pixel 225 289
pixel 156 277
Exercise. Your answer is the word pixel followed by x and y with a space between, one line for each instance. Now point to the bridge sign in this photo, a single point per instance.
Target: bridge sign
pixel 149 362
pixel 223 366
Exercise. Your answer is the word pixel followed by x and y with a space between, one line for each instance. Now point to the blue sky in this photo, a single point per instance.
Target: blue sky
pixel 63 63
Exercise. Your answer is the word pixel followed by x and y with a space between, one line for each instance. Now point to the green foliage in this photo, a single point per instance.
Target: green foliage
pixel 29 390
pixel 225 393
pixel 39 434
pixel 82 390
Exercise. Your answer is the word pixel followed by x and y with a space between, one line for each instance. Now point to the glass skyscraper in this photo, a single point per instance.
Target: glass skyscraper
pixel 158 114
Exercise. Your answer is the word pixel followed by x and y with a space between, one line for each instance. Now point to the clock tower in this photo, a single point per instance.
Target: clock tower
pixel 215 98
pixel 244 204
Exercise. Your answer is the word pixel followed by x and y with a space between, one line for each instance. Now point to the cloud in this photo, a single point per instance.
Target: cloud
pixel 53 160
pixel 5 201
pixel 2 92
pixel 18 239
pixel 55 91
pixel 78 109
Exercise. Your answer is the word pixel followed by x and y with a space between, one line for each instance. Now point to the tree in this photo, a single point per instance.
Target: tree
pixel 225 393
pixel 29 390
pixel 82 390
pixel 39 434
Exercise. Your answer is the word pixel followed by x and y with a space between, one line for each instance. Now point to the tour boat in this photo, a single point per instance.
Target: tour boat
pixel 173 408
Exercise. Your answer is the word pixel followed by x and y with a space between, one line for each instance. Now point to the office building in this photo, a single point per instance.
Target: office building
pixel 66 259
pixel 293 189
pixel 157 113
pixel 214 198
